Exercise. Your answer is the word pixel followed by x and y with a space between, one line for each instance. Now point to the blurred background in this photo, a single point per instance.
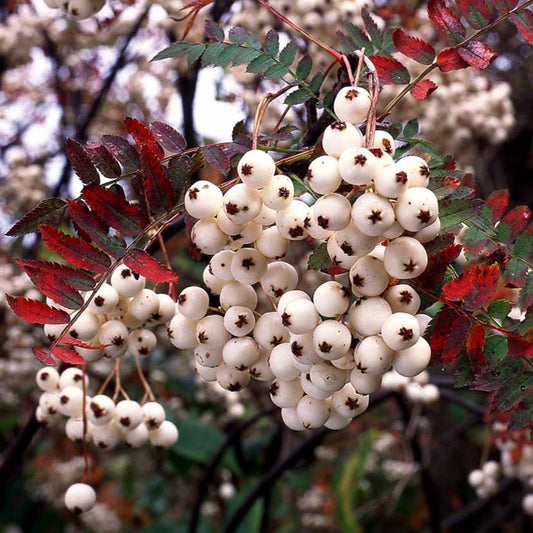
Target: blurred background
pixel 402 465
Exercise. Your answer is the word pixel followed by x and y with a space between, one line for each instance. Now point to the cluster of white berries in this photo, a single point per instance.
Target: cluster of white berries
pixel 78 9
pixel 485 480
pixel 107 423
pixel 417 389
pixel 305 346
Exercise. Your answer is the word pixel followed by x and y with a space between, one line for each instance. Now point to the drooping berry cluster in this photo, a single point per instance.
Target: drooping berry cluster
pixel 305 346
pixel 417 389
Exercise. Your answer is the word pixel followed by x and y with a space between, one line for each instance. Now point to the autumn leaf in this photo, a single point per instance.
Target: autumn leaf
pixel 36 312
pixel 413 47
pixel 475 344
pixel 477 54
pixel 43 356
pixel 449 59
pixel 448 25
pixel 390 71
pixel 68 355
pixel 455 338
pixel 423 89
pixel 143 137
pixel 143 263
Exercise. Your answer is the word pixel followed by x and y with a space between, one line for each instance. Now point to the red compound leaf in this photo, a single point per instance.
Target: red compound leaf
pixel 168 137
pixel 81 162
pixel 390 71
pixel 455 339
pixel 477 54
pixel 498 203
pixel 475 344
pixel 448 25
pixel 76 278
pixel 72 357
pixel 523 20
pixel 519 347
pixel 143 263
pixel 437 265
pixel 158 187
pixel 423 89
pixel 440 331
pixel 413 47
pixel 36 312
pixel 477 12
pixel 143 137
pixel 43 356
pixel 449 59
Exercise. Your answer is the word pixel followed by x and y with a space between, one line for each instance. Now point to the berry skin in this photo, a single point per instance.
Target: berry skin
pixel 248 235
pixel 313 413
pixel 400 331
pixel 193 303
pixel 337 254
pixel 300 316
pixel 256 168
pixel 107 437
pixel 105 300
pixel 417 170
pixel 417 208
pixel 213 284
pixel 394 231
pixel 271 244
pixel 153 415
pixel 85 327
pixel 71 401
pixel 332 212
pixel 208 237
pixel 303 350
pixel 100 410
pixel 331 299
pixel 372 214
pixel 349 403
pixel 291 222
pixel 323 174
pixel 413 360
pixel 126 282
pixel 353 243
pixel 260 370
pixel 248 266
pixel 74 430
pixel 80 498
pixel 141 342
pixel 373 356
pixel 279 193
pixel 311 389
pixel 227 226
pixel 331 339
pixel 336 421
pixel 203 199
pixel 327 377
pixel 235 293
pixel 366 316
pixel 357 166
pixel 220 265
pixel 352 104
pixel 52 331
pixel 281 363
pixel 340 136
pixel 211 333
pixel 182 332
pixel 84 9
pixel 72 376
pixel 128 414
pixel 364 383
pixel 231 379
pixel 476 478
pixel 242 204
pixel 47 379
pixel 384 141
pixel 391 181
pixel 405 258
pixel 207 357
pixel 428 233
pixel 167 308
pixel 208 374
pixel 266 217
pixel 114 334
pixel 314 229
pixel 50 404
pixel 289 297
pixel 165 436
pixel 137 437
pixel 144 305
pixel 279 278
pixel 269 331
pixel 527 504
pixel 239 320
pixel 286 393
pixel 368 276
pixel 290 419
pixel 402 299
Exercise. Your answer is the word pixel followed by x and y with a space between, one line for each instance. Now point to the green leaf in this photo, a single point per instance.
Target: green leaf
pixel 463 375
pixel 499 309
pixel 174 50
pixel 495 348
pixel 453 212
pixel 195 52
pixel 524 244
pixel 411 129
pixel 288 54
pixel 526 292
pixel 319 259
pixel 272 43
pixel 299 96
pixel 260 64
pixel 276 71
pixel 522 415
pixel 304 68
pixel 316 82
pixel 358 38
pixel 515 272
pixel 48 211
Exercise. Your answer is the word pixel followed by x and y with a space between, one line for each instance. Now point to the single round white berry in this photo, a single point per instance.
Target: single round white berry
pixel 248 266
pixel 153 415
pixel 527 504
pixel 385 141
pixel 393 381
pixel 74 430
pixel 105 300
pixel 417 170
pixel 332 212
pixel 391 181
pixel 141 342
pixel 100 410
pixel 313 229
pixel 266 217
pixel 80 498
pixel 114 334
pixel 220 265
pixel 235 293
pixel 203 199
pixel 208 237
pixel 137 437
pixel 336 421
pixel 394 231
pixel 133 322
pixel 400 331
pixel 279 193
pixel 413 360
pixel 281 363
pixel 352 104
pixel 327 377
pixel 368 276
pixel 260 370
pixel 353 242
pixel 210 332
pixel 85 327
pixel 346 362
pixel 313 413
pixel 311 389
pixel 231 379
pixel 323 174
pixel 364 382
pixel 207 373
pixel 422 378
pixel 403 299
pixel 357 166
pixel 417 208
pixel 242 204
pixel 271 244
pixel 382 157
pixel 405 258
pixel 340 136
pixel 300 316
pixel 214 284
pixel 165 436
pixel 372 214
pixel 227 226
pixel 286 393
pixel 269 331
pixel 331 299
pixel 303 349
pixel 430 394
pixel 108 436
pixel 249 234
pixel 47 420
pixel 291 222
pixel 428 233
pixel 126 282
pixel 331 339
pixel 239 320
pixel 256 168
pixel 167 308
pixel 193 303
pixel 182 332
pixel 128 414
pixel 50 403
pixel 289 297
pixel 279 278
pixel 373 356
pixel 144 304
pixel 366 316
pixel 414 393
pixel 72 376
pixel 349 403
pixel 71 401
pixel 290 419
pixel 52 331
pixel 207 357
pixel 47 379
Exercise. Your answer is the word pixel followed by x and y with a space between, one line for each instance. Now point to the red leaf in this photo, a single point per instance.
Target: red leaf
pixel 523 20
pixel 81 162
pixel 103 160
pixel 115 210
pixel 159 190
pixel 335 270
pixel 68 356
pixel 474 287
pixel 76 342
pixel 498 203
pixel 43 356
pixel 413 47
pixel 504 6
pixel 475 344
pixel 423 89
pixel 75 278
pixel 215 157
pixel 49 210
pixel 123 151
pixel 168 137
pixel 36 312
pixel 449 59
pixel 437 265
pixel 518 219
pixel 390 70
pixel 477 12
pixel 519 347
pixel 446 23
pixel 143 137
pixel 455 339
pixel 75 251
pixel 477 54
pixel 143 263
pixel 440 330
